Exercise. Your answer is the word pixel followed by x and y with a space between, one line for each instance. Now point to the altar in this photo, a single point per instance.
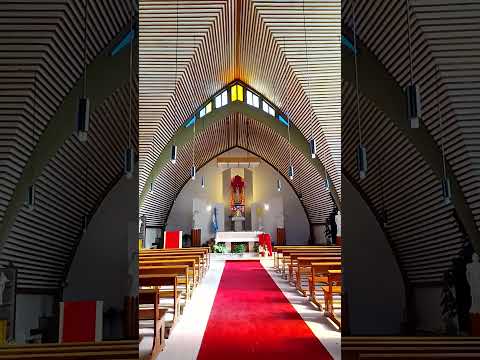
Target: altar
pixel 229 237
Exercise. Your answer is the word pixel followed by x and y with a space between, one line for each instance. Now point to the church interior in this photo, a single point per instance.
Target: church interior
pixel 262 179
pixel 239 169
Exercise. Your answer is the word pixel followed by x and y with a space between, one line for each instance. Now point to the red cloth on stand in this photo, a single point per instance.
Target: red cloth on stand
pixel 264 240
pixel 173 239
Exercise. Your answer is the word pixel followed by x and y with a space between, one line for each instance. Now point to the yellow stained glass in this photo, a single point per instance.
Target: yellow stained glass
pixel 209 107
pixel 237 93
pixel 240 92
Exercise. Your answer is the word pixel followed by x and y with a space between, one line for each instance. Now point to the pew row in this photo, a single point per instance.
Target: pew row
pixel 111 350
pixel 411 348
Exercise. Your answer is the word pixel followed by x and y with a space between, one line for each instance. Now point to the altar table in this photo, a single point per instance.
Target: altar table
pixel 229 237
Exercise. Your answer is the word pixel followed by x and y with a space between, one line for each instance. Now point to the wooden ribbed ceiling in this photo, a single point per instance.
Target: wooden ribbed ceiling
pixel 41 60
pixel 445 36
pixel 259 42
pixel 234 131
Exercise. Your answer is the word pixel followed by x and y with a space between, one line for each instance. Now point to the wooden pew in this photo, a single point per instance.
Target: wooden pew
pixel 319 274
pixel 149 293
pixel 410 347
pixel 305 266
pixel 204 252
pixel 200 270
pixel 111 350
pixel 286 254
pixel 152 297
pixel 333 287
pixel 292 261
pixel 279 250
pixel 171 261
pixel 181 271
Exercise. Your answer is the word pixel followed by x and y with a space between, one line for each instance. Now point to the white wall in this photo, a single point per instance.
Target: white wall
pixel 372 279
pixel 181 215
pixel 264 191
pixel 104 267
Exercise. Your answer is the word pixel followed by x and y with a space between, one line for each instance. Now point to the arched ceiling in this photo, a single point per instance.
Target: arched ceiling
pixel 238 130
pixel 259 42
pixel 445 36
pixel 41 52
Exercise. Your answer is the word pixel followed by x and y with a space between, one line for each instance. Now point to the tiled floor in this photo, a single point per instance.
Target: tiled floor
pixel 185 339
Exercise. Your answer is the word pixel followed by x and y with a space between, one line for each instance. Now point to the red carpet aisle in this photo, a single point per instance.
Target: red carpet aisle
pixel 251 319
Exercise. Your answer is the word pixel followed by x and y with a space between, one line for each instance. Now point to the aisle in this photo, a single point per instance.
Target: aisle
pixel 251 319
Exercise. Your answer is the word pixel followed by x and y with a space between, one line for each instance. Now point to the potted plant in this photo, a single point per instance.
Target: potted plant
pixel 238 249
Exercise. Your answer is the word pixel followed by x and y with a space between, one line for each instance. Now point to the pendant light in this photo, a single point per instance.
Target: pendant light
pixel 194 169
pixel 84 223
pixel 129 157
pixel 279 185
pixel 312 143
pixel 83 112
pixel 151 188
pixel 86 162
pixel 328 183
pixel 173 154
pixel 30 195
pixel 361 150
pixel 290 166
pixel 174 149
pixel 30 199
pixel 446 186
pixel 206 164
pixel 412 90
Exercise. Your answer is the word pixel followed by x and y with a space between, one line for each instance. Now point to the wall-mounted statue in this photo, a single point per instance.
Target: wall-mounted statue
pixel 195 219
pixel 473 277
pixel 3 281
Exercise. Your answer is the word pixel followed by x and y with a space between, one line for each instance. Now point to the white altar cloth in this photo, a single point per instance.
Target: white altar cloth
pixel 237 236
pixel 229 237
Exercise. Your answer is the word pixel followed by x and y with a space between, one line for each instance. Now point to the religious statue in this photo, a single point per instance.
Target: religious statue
pixel 195 223
pixel 3 281
pixel 473 278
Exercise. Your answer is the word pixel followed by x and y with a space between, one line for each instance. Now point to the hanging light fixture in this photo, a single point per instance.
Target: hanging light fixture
pixel 30 199
pixel 412 90
pixel 446 186
pixel 290 172
pixel 129 163
pixel 446 190
pixel 84 223
pixel 312 143
pixel 30 195
pixel 129 156
pixel 173 154
pixel 83 113
pixel 290 165
pixel 194 169
pixel 203 182
pixel 327 182
pixel 362 161
pixel 279 185
pixel 151 188
pixel 361 150
pixel 313 148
